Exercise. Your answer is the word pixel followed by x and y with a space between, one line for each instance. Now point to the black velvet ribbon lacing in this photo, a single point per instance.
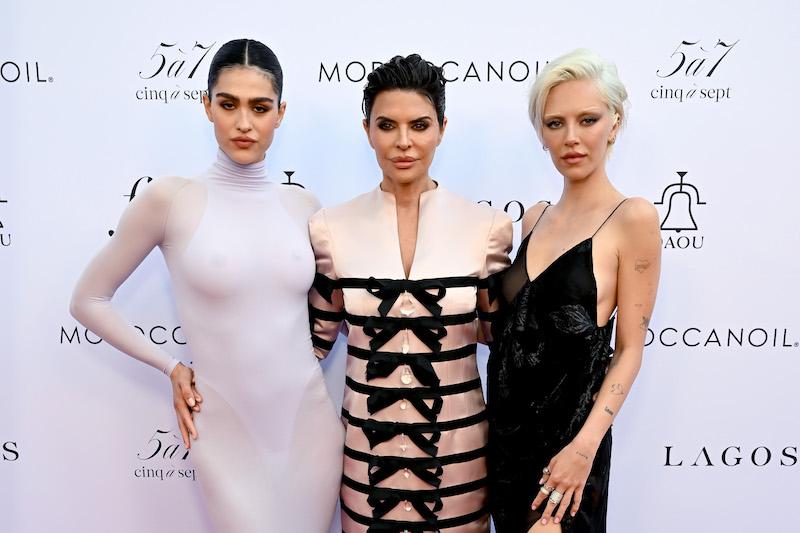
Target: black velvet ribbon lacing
pixel 382 468
pixel 379 432
pixel 393 526
pixel 382 397
pixel 384 500
pixel 390 290
pixel 324 286
pixel 428 330
pixel 382 364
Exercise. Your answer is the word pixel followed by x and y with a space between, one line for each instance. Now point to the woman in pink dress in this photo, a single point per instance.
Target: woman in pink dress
pixel 407 267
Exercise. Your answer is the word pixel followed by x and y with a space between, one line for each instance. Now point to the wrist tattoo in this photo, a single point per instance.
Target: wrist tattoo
pixel 582 455
pixel 607 410
pixel 641 265
pixel 645 323
pixel 617 389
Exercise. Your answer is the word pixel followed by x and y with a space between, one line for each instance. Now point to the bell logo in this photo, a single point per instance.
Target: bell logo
pixel 289 181
pixel 681 198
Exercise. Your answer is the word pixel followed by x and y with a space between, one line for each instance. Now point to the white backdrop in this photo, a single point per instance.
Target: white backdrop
pixel 708 439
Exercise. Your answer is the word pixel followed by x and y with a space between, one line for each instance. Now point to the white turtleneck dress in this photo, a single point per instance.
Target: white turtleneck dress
pixel 269 448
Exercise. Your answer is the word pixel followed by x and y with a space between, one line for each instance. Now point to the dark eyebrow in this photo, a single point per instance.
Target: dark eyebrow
pixel 256 100
pixel 418 119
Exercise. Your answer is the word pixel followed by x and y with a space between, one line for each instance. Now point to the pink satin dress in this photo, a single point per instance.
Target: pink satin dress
pixel 416 430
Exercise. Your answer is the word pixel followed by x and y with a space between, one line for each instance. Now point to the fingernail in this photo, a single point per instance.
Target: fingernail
pixel 557 520
pixel 541 480
pixel 191 402
pixel 573 513
pixel 544 521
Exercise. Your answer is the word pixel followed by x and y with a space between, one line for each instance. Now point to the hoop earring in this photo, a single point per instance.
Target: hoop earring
pixel 545 148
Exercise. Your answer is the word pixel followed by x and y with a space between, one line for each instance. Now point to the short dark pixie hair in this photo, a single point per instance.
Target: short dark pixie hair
pixel 246 53
pixel 410 73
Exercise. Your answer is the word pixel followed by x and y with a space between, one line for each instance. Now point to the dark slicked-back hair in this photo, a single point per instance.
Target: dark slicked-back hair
pixel 410 73
pixel 246 53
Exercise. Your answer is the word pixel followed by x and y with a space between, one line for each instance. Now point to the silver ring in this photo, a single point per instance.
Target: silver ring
pixel 544 489
pixel 546 471
pixel 555 497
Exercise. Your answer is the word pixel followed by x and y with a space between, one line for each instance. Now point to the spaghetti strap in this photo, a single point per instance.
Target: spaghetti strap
pixel 608 217
pixel 538 219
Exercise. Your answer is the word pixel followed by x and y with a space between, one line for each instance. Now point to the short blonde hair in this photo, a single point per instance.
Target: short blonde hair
pixel 580 64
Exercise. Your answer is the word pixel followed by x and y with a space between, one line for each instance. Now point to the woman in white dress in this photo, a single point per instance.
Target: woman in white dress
pixel 267 443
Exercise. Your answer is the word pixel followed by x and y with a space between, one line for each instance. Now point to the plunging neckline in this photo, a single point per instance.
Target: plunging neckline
pixel 532 281
pixel 391 199
pixel 554 261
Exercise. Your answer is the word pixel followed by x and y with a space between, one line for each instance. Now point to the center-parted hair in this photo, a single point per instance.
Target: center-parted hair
pixel 246 53
pixel 411 73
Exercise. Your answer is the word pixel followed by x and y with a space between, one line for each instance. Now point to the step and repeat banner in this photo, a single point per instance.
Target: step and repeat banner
pixel 98 99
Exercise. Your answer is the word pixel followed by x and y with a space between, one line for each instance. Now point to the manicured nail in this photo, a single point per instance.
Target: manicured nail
pixel 557 520
pixel 541 480
pixel 191 401
pixel 544 521
pixel 573 513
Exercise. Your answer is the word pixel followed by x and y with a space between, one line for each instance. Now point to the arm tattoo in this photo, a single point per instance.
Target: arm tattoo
pixel 607 410
pixel 617 389
pixel 641 265
pixel 645 323
pixel 582 455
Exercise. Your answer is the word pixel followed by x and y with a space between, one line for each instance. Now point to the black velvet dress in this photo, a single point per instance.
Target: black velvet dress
pixel 547 362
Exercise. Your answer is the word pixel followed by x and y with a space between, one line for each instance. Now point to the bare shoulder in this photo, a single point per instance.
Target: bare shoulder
pixel 638 229
pixel 532 215
pixel 639 214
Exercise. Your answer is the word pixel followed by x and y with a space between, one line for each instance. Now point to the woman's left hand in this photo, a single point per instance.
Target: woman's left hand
pixel 568 473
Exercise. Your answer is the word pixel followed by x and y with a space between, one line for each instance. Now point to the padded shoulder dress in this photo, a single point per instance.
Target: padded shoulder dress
pixel 268 453
pixel 548 360
pixel 415 455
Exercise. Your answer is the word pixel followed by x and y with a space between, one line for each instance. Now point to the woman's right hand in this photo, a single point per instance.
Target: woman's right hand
pixel 186 400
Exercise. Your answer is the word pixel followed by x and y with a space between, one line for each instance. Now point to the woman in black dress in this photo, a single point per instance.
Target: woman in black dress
pixel 555 384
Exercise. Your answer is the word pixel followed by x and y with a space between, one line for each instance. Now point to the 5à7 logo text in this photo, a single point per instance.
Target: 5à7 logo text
pixel 692 59
pixel 173 61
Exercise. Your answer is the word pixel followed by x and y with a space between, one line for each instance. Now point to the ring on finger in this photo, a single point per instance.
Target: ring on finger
pixel 546 471
pixel 555 497
pixel 544 489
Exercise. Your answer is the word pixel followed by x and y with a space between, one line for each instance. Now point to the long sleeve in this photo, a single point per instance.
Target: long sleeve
pixel 498 246
pixel 325 299
pixel 140 229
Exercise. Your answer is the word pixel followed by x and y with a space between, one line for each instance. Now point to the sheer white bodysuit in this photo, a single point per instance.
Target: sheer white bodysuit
pixel 269 447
